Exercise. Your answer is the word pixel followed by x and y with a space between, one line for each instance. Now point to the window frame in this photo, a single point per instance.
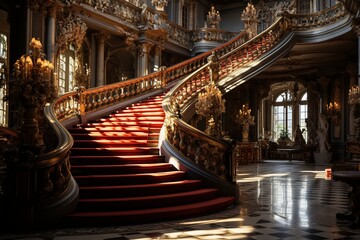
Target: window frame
pixel 66 75
pixel 291 113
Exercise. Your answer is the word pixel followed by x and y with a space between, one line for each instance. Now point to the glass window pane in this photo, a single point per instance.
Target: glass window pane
pixel 283 115
pixel 71 73
pixel 3 46
pixel 304 97
pixel 62 74
pixel 302 121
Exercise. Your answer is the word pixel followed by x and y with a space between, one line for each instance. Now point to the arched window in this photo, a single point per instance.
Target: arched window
pixel 282 114
pixel 285 114
pixel 66 70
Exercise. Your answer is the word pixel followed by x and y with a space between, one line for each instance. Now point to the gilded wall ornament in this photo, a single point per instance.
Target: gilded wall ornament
pixel 71 29
pixel 102 5
pixel 159 4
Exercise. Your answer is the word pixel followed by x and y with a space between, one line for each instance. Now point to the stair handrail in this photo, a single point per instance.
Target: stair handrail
pixel 180 134
pixel 93 99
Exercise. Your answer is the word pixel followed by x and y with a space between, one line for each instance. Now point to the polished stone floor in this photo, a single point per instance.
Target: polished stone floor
pixel 278 200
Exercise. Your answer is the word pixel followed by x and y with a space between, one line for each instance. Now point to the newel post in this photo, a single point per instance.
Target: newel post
pixel 82 104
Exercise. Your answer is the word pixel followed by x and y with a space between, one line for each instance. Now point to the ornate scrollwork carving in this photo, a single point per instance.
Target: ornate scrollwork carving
pixel 71 30
pixel 159 4
pixel 42 6
pixel 102 5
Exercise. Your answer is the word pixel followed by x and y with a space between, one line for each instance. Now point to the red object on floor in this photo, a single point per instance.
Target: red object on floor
pixel 123 179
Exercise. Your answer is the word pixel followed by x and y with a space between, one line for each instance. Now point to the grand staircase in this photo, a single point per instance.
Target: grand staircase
pixel 122 178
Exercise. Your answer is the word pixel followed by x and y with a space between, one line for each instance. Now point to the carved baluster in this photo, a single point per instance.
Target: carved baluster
pixel 182 143
pixel 46 183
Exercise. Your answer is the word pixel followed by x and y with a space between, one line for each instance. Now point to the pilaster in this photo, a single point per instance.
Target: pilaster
pixel 50 46
pixel 100 58
pixel 143 58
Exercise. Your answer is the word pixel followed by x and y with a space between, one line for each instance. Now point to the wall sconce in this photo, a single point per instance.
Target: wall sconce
pixel 333 112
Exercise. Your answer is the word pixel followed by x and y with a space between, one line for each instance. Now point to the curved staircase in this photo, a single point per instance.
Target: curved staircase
pixel 122 178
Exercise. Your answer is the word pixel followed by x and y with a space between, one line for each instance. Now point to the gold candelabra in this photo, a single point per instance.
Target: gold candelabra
pixel 245 119
pixel 244 116
pixel 213 18
pixel 354 95
pixel 211 105
pixel 31 87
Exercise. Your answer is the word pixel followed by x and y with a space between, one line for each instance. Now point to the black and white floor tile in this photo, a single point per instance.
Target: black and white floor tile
pixel 278 200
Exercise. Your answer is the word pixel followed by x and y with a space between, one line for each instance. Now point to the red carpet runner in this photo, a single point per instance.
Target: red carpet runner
pixel 123 179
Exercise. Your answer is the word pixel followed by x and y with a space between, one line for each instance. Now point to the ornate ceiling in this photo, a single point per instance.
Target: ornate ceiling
pixel 314 59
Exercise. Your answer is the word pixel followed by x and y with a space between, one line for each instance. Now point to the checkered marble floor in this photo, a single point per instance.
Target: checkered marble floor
pixel 278 200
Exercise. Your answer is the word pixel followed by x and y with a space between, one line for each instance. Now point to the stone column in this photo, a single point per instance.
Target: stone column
pixel 100 58
pixel 93 62
pixel 324 82
pixel 180 11
pixel 314 6
pixel 50 46
pixel 358 72
pixel 313 110
pixel 353 80
pixel 157 58
pixel 356 28
pixel 143 59
pixel 192 18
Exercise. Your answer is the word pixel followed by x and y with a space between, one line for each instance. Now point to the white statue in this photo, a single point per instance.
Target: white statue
pixel 322 134
pixel 322 155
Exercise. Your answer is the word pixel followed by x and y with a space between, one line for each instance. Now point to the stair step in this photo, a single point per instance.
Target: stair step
pixel 113 129
pixel 123 124
pixel 114 135
pixel 111 151
pixel 129 179
pixel 140 110
pixel 121 169
pixel 132 118
pixel 122 178
pixel 115 143
pixel 113 160
pixel 145 215
pixel 139 106
pixel 146 202
pixel 139 189
pixel 137 114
